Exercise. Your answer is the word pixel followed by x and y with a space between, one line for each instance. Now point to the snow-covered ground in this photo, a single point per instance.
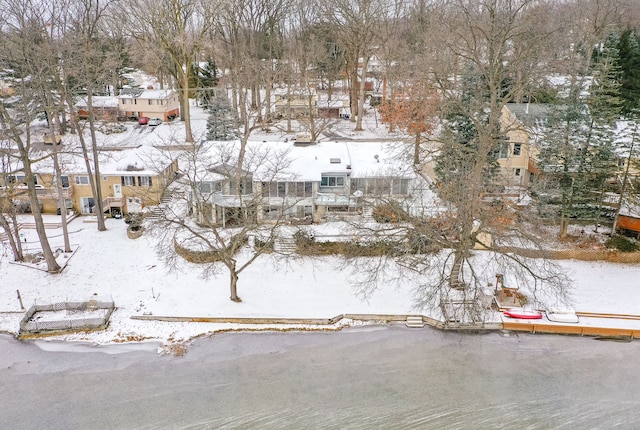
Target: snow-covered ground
pixel 109 265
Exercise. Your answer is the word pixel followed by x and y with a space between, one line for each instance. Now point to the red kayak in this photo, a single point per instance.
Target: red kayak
pixel 521 313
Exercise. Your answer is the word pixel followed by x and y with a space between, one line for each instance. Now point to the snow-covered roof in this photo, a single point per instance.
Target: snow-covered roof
pixel 310 162
pixel 144 160
pixel 378 159
pixel 531 115
pixel 98 102
pixel 152 94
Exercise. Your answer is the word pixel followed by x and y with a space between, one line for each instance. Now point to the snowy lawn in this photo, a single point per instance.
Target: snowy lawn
pixel 108 265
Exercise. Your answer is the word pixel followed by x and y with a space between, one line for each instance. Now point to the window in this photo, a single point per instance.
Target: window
pixel 21 179
pixel 246 186
pixel 128 180
pixel 358 185
pixel 400 186
pixel 303 211
pixel 517 149
pixel 209 187
pixel 144 181
pixel 504 150
pixel 64 181
pixel 82 180
pixel 517 171
pixel 300 189
pixel 205 187
pixel 87 205
pixel 274 189
pixel 332 181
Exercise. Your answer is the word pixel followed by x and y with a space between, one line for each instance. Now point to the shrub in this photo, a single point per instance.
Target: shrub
pixel 622 243
pixel 389 213
pixel 134 220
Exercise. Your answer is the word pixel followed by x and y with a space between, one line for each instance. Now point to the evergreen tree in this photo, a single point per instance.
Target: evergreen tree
pixel 221 124
pixel 459 138
pixel 577 156
pixel 204 80
pixel 629 52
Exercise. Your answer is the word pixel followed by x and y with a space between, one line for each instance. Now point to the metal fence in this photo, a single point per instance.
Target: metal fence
pixel 77 316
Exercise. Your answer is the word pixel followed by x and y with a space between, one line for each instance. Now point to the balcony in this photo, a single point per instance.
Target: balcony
pixel 52 193
pixel 112 202
pixel 232 200
pixel 332 199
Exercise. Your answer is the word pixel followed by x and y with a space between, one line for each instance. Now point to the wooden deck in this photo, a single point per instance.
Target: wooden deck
pixel 590 324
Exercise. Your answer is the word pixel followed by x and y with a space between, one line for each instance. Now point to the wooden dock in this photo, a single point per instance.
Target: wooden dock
pixel 615 326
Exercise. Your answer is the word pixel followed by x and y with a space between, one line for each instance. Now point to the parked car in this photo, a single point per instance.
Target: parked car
pixel 143 120
pixel 155 121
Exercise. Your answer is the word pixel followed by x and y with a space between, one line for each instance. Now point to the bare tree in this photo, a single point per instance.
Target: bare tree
pixel 24 155
pixel 10 201
pixel 87 66
pixel 358 24
pixel 212 222
pixel 486 51
pixel 30 52
pixel 175 30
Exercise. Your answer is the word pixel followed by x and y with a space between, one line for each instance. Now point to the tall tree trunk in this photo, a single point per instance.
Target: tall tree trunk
pixel 361 93
pixel 96 164
pixel 625 178
pixel 62 201
pixel 353 92
pixel 233 282
pixel 13 236
pixel 52 264
pixel 186 108
pixel 416 150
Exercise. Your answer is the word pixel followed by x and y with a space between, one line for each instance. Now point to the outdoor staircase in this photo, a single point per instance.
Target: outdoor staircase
pixel 155 213
pixel 417 263
pixel 168 195
pixel 367 214
pixel 285 245
pixel 414 322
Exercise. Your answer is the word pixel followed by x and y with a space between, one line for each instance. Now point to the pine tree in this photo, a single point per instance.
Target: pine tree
pixel 459 138
pixel 221 124
pixel 205 79
pixel 577 156
pixel 629 52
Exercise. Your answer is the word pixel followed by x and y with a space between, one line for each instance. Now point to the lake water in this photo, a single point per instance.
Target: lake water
pixel 360 378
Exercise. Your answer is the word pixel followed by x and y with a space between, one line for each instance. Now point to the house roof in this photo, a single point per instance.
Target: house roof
pixel 284 161
pixel 140 93
pixel 98 102
pixel 144 160
pixel 379 160
pixel 530 114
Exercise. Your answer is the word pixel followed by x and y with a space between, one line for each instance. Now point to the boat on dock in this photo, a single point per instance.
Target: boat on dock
pixel 522 313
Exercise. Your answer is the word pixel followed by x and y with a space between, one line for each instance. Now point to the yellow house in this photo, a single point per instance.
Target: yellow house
pixel 517 155
pixel 129 184
pixel 152 103
pixel 130 180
